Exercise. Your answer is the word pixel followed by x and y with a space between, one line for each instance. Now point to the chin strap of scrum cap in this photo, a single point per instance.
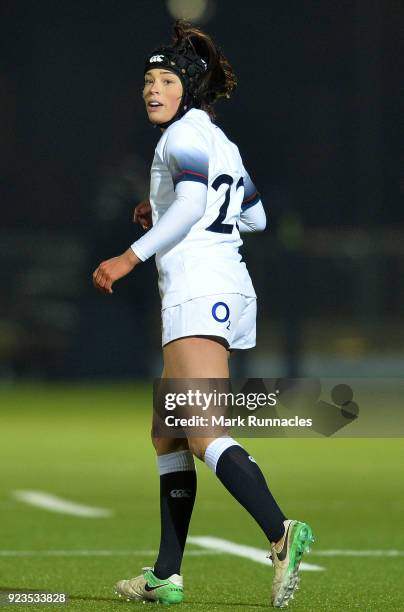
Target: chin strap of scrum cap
pixel 187 65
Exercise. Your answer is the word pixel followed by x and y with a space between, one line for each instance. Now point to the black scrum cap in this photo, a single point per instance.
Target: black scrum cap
pixel 187 65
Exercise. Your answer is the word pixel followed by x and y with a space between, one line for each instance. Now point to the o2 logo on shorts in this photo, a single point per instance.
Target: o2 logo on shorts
pixel 221 313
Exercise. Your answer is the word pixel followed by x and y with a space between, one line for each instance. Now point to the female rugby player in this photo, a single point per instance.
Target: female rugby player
pixel 201 198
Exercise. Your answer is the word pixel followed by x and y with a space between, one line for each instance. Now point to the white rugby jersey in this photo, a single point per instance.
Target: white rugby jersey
pixel 195 153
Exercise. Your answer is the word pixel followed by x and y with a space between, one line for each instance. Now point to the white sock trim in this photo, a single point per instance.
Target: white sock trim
pixel 180 461
pixel 216 449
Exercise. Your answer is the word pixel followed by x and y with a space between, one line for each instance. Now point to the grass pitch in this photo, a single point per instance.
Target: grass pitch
pixel 90 445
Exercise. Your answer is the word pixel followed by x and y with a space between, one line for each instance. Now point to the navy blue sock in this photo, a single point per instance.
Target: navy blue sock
pixel 177 497
pixel 242 477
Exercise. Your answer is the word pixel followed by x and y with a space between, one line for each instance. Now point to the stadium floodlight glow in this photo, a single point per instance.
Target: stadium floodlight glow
pixel 191 10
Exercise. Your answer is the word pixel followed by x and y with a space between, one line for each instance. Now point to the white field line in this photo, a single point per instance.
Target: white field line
pixel 96 553
pixel 192 553
pixel 57 504
pixel 248 552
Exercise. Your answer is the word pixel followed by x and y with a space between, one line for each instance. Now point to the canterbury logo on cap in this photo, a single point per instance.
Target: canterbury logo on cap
pixel 156 58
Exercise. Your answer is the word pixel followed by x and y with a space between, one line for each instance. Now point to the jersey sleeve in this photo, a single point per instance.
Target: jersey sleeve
pixel 186 156
pixel 253 219
pixel 186 210
pixel 252 215
pixel 251 195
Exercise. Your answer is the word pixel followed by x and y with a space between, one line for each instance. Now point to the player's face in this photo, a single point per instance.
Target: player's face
pixel 164 87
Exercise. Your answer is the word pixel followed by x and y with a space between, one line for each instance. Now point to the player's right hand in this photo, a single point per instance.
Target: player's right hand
pixel 143 215
pixel 113 269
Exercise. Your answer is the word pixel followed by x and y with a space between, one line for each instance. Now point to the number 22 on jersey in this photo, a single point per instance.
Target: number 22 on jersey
pixel 219 224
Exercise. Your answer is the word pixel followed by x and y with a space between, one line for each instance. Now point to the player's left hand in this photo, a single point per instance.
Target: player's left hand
pixel 113 269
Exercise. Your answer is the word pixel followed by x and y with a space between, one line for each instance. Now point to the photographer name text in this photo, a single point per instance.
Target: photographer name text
pixel 222 421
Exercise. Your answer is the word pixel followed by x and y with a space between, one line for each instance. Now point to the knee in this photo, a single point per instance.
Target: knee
pixel 197 446
pixel 163 446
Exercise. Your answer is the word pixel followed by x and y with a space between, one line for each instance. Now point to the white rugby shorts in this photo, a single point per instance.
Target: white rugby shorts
pixel 230 316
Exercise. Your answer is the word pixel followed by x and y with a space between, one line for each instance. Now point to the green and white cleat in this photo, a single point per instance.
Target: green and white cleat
pixel 286 556
pixel 147 587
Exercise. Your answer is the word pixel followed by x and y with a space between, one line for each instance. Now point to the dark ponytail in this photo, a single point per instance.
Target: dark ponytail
pixel 219 80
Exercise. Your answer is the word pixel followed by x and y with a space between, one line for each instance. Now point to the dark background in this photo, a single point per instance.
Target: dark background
pixel 316 116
